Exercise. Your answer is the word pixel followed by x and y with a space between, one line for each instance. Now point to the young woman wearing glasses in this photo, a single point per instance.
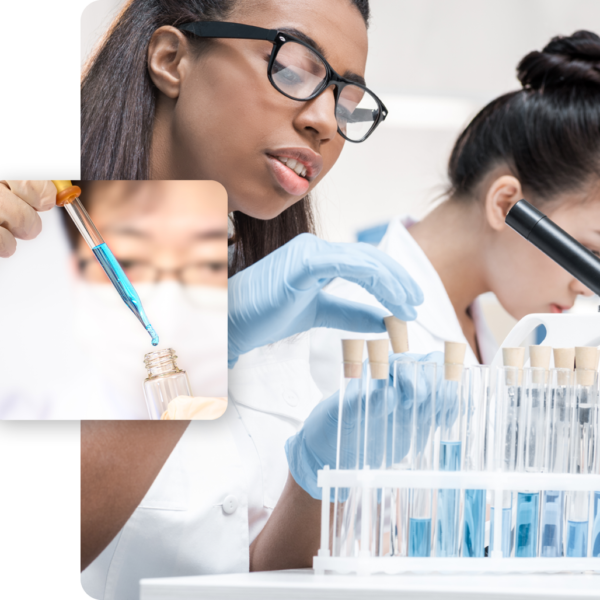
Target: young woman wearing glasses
pixel 261 96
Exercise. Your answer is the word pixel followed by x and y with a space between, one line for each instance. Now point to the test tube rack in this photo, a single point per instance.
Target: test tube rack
pixel 496 482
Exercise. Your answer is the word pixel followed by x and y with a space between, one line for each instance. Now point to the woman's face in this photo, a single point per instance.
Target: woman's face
pixel 229 123
pixel 524 279
pixel 160 230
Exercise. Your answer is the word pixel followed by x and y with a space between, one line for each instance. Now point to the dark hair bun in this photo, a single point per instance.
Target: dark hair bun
pixel 565 61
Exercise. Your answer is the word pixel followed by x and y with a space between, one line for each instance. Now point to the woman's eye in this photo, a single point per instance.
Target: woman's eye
pixel 286 74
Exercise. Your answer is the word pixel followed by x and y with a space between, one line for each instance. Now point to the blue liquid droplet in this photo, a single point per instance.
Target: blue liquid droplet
pixel 153 335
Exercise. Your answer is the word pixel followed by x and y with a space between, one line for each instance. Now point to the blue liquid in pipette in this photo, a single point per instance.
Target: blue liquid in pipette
pixel 577 538
pixel 447 506
pixel 552 524
pixel 127 292
pixel 419 537
pixel 474 532
pixel 596 526
pixel 526 533
pixel 506 524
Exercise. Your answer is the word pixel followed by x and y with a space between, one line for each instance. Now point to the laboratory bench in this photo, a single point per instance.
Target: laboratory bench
pixel 304 585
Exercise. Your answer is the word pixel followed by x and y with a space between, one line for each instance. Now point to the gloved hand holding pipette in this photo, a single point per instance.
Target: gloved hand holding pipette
pixel 20 202
pixel 315 445
pixel 281 295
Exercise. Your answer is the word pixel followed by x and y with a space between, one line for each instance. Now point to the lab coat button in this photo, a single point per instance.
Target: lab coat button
pixel 291 398
pixel 230 504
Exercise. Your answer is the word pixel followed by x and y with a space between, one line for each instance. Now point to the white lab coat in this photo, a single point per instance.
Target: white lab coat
pixel 436 320
pixel 219 486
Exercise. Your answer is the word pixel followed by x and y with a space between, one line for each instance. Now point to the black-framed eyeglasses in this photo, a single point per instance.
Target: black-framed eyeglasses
pixel 299 72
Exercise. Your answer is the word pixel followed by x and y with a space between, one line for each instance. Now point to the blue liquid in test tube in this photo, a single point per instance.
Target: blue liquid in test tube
pixel 596 526
pixel 447 507
pixel 527 524
pixel 419 541
pixel 506 526
pixel 577 538
pixel 552 525
pixel 474 532
pixel 127 292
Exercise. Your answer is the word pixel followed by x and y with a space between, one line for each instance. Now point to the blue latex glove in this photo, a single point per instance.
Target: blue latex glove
pixel 281 295
pixel 315 445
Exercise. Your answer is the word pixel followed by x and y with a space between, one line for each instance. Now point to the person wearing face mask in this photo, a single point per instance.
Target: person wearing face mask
pixel 170 237
pixel 541 143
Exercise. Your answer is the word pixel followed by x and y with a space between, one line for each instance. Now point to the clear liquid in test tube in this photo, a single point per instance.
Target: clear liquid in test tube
pixel 556 460
pixel 404 387
pixel 378 410
pixel 505 455
pixel 350 418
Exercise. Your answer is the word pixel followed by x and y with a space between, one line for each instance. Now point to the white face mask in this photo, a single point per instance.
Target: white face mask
pixel 192 320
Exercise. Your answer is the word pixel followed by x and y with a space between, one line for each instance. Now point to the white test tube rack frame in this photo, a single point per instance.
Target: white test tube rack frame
pixel 496 482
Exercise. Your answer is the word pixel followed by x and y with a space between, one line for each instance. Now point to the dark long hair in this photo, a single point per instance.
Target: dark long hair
pixel 547 133
pixel 118 101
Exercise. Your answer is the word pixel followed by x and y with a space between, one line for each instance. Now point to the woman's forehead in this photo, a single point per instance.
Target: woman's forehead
pixel 336 26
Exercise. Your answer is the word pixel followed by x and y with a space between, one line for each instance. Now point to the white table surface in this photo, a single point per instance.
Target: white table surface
pixel 304 585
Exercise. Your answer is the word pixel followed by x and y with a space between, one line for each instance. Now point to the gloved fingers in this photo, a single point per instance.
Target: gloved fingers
pixel 339 313
pixel 8 244
pixel 373 270
pixel 18 216
pixel 40 195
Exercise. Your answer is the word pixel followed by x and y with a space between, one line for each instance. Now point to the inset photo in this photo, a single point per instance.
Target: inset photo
pixel 118 308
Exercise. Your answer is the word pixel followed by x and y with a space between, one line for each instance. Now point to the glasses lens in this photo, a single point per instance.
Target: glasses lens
pixel 356 112
pixel 297 71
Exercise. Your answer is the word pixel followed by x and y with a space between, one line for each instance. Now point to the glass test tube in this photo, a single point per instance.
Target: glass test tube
pixel 477 387
pixel 350 418
pixel 556 460
pixel 420 452
pixel 582 450
pixel 451 406
pixel 530 459
pixel 403 448
pixel 505 451
pixel 375 443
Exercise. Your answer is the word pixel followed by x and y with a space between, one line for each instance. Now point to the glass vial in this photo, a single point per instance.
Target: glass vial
pixel 165 381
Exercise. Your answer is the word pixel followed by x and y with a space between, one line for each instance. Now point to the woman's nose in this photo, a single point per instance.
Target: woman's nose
pixel 318 116
pixel 580 289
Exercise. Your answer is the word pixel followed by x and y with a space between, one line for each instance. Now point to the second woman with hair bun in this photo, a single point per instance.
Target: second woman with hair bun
pixel 541 143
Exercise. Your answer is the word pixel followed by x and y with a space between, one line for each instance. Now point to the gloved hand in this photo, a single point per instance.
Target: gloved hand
pixel 281 295
pixel 315 445
pixel 20 202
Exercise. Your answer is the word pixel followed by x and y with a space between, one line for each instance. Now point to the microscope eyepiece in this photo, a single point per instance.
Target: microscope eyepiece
pixel 556 243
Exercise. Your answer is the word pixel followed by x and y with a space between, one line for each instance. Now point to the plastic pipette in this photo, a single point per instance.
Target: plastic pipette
pixel 68 197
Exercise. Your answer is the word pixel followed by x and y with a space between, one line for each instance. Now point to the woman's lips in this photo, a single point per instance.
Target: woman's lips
pixel 557 308
pixel 292 183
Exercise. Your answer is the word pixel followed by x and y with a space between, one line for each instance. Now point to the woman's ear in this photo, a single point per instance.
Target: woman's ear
pixel 167 51
pixel 501 196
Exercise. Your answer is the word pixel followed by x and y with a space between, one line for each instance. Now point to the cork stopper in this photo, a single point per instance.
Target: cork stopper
pixel 454 357
pixel 586 363
pixel 564 358
pixel 398 333
pixel 352 351
pixel 514 357
pixel 539 357
pixel 378 358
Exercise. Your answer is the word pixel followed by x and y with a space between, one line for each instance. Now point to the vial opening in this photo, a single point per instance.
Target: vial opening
pixel 161 362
